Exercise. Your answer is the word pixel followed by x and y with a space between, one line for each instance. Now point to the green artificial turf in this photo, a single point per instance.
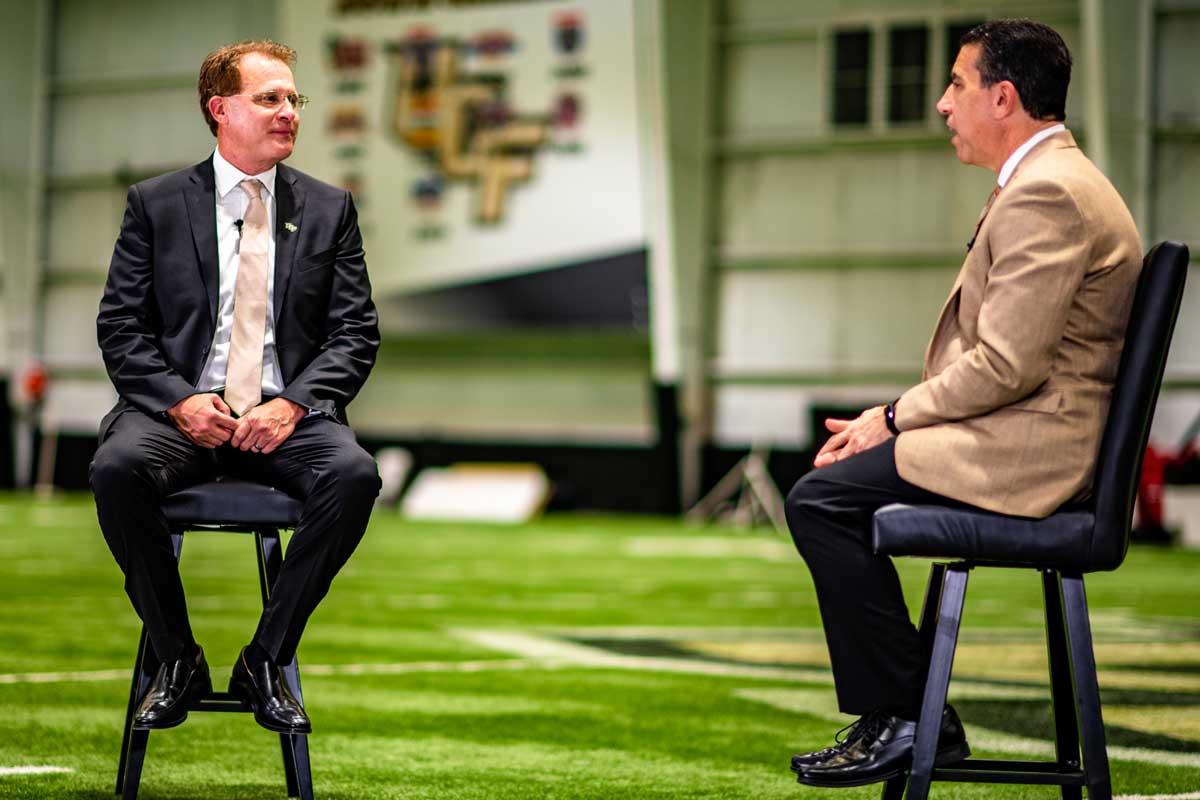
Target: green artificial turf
pixel 577 657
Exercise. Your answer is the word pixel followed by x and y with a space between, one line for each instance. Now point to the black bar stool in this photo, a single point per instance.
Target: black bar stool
pixel 238 507
pixel 1063 547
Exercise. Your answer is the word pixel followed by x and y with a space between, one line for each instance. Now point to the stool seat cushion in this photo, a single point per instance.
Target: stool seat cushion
pixel 1061 541
pixel 227 501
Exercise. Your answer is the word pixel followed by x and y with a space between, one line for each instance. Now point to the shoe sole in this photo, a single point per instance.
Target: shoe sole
pixel 798 768
pixel 245 696
pixel 945 757
pixel 160 726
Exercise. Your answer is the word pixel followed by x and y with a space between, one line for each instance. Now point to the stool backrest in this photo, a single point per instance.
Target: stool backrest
pixel 1135 393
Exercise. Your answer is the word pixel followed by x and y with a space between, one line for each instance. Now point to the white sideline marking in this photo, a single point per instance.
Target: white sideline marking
pixel 33 770
pixel 65 677
pixel 425 666
pixel 541 647
pixel 726 633
pixel 1187 796
pixel 308 669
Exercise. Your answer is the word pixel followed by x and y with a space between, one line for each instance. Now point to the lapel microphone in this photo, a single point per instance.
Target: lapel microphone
pixel 237 223
pixel 978 225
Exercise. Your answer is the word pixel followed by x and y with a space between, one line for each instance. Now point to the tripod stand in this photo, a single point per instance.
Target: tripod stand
pixel 745 496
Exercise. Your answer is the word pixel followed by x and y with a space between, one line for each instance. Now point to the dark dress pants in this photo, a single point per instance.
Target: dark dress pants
pixel 142 460
pixel 878 659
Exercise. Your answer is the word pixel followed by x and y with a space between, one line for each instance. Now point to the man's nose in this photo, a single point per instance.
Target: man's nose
pixel 943 104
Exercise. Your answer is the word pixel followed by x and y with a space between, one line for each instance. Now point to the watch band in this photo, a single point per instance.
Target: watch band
pixel 889 417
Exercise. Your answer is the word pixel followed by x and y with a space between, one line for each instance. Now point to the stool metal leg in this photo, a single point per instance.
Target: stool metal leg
pixel 1062 693
pixel 1087 690
pixel 894 789
pixel 131 777
pixel 295 748
pixel 927 623
pixel 937 684
pixel 267 549
pixel 134 743
pixel 296 767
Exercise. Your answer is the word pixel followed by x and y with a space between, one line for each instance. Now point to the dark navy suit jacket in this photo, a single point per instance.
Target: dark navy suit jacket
pixel 159 308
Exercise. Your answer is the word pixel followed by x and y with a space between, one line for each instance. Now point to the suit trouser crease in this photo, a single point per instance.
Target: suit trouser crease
pixel 142 460
pixel 878 660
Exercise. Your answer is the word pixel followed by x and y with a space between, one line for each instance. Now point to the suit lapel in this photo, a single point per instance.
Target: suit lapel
pixel 289 208
pixel 1057 140
pixel 950 307
pixel 200 198
pixel 958 279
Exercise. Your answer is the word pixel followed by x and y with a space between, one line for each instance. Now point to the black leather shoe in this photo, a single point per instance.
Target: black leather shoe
pixel 263 688
pixel 883 750
pixel 175 686
pixel 844 738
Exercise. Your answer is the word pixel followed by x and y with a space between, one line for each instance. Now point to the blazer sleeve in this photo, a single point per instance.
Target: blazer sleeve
pixel 1039 247
pixel 128 323
pixel 351 340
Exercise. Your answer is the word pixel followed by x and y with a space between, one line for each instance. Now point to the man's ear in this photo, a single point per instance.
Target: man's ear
pixel 216 107
pixel 1005 100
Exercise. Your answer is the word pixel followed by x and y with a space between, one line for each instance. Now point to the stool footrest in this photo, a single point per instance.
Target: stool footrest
pixel 983 770
pixel 218 701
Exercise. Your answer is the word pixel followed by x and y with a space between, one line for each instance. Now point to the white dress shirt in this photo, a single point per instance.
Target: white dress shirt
pixel 1011 164
pixel 232 202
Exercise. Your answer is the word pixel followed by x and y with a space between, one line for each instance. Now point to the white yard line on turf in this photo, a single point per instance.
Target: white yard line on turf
pixel 65 677
pixel 308 669
pixel 1188 796
pixel 531 645
pixel 425 666
pixel 537 647
pixel 33 770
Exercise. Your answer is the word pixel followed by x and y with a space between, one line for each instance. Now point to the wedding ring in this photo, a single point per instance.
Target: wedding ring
pixel 256 448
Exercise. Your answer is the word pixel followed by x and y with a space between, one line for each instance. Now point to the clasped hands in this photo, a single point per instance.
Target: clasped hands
pixel 852 436
pixel 208 422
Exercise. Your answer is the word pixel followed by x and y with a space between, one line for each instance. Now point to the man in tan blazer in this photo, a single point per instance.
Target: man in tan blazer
pixel 1015 392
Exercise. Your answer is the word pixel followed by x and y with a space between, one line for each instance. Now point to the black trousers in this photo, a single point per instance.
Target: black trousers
pixel 878 659
pixel 142 460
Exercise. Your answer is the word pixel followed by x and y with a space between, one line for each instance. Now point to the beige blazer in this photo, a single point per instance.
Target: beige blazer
pixel 1019 372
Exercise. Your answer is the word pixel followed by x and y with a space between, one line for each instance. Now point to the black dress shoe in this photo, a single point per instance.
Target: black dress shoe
pixel 263 688
pixel 175 686
pixel 844 738
pixel 883 750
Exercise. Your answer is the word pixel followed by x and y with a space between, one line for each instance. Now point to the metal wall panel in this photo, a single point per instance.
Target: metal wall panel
pixel 773 87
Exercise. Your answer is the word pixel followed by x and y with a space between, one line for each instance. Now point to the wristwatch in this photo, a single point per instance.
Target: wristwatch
pixel 889 417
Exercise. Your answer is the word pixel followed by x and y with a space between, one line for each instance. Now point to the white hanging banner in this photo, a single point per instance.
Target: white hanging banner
pixel 480 140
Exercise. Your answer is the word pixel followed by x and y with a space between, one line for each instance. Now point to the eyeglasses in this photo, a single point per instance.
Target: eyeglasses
pixel 275 99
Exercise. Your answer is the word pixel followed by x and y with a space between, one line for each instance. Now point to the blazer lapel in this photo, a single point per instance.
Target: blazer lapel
pixel 200 198
pixel 289 208
pixel 950 307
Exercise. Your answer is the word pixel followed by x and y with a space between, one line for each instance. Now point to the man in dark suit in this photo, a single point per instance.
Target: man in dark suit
pixel 236 326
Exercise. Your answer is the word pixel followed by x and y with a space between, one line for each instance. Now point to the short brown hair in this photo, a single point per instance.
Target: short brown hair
pixel 220 74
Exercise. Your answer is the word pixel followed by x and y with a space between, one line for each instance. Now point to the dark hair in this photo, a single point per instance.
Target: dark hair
pixel 1032 56
pixel 221 75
